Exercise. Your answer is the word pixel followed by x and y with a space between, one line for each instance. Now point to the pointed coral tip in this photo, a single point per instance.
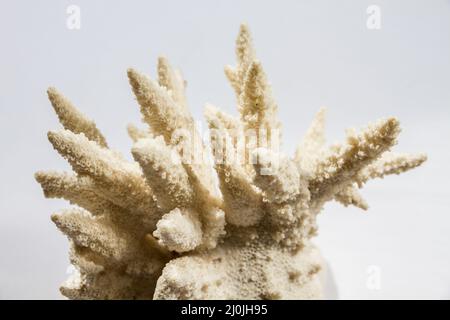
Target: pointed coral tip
pixel 51 135
pixel 243 27
pixel 423 157
pixel 132 73
pixel 51 91
pixel 53 95
pixel 55 218
pixel 134 78
pixel 162 59
pixel 39 176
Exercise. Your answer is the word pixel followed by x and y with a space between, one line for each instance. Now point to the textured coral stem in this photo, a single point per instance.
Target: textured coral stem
pixel 120 182
pixel 77 190
pixel 72 119
pixel 173 82
pixel 159 110
pixel 339 168
pixel 390 163
pixel 164 173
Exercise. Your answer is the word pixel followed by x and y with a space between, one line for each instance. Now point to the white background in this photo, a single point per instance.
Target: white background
pixel 316 53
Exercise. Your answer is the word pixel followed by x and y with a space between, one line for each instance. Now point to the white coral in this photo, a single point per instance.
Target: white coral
pixel 162 227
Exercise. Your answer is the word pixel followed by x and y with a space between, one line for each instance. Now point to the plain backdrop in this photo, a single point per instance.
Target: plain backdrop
pixel 316 53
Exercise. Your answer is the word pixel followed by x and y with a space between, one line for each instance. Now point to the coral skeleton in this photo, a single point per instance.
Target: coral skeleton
pixel 229 219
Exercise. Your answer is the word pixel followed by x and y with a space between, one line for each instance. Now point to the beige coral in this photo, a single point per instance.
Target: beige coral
pixel 173 225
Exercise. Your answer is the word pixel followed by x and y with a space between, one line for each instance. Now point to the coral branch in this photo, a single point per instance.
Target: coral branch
pixel 242 200
pixel 119 181
pixel 232 77
pixel 164 173
pixel 168 119
pixel 245 55
pixel 90 232
pixel 135 133
pixel 276 175
pixel 171 80
pixel 226 135
pixel 390 163
pixel 159 110
pixel 351 196
pixel 76 190
pixel 257 107
pixel 308 151
pixel 74 120
pixel 343 162
pixel 179 230
pixel 220 120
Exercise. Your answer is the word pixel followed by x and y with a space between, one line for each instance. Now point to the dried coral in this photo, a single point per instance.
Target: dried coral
pixel 161 228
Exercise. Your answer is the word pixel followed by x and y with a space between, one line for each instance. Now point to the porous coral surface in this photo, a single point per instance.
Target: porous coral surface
pixel 233 220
